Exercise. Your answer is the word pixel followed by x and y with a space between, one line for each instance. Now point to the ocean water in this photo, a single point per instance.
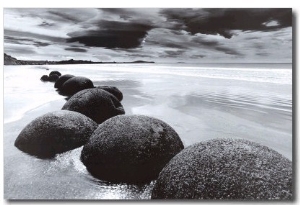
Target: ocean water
pixel 201 102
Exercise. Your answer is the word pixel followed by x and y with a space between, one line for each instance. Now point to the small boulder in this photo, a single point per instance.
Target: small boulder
pixel 76 84
pixel 131 149
pixel 53 78
pixel 61 80
pixel 226 169
pixel 113 90
pixel 54 133
pixel 55 72
pixel 96 104
pixel 44 78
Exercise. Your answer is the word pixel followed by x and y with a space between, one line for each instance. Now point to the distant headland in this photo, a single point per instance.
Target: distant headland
pixel 9 60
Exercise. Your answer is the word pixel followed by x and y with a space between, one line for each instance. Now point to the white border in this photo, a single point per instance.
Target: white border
pixel 145 4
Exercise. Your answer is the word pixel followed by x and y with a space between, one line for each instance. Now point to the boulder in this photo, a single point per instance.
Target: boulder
pixel 226 169
pixel 76 84
pixel 53 78
pixel 61 80
pixel 54 133
pixel 112 90
pixel 55 72
pixel 44 78
pixel 131 149
pixel 96 104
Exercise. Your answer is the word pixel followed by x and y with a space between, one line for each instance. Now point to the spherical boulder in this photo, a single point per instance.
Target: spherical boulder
pixel 44 78
pixel 112 90
pixel 76 84
pixel 54 133
pixel 96 104
pixel 55 72
pixel 130 149
pixel 53 78
pixel 226 169
pixel 61 80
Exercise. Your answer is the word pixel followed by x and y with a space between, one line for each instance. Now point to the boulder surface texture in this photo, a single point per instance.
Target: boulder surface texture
pixel 130 148
pixel 112 90
pixel 76 84
pixel 61 80
pixel 54 133
pixel 226 169
pixel 96 104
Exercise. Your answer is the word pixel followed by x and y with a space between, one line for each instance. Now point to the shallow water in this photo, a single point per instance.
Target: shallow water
pixel 203 102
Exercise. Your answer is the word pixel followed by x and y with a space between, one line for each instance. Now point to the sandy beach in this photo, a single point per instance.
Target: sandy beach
pixel 198 104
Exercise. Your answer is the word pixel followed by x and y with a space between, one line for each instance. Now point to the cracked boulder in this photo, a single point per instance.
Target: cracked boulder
pixel 130 149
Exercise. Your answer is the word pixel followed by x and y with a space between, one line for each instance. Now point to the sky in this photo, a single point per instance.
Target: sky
pixel 190 35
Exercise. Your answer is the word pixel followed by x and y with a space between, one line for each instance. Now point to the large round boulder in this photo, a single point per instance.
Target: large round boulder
pixel 61 80
pixel 55 72
pixel 54 133
pixel 112 90
pixel 96 104
pixel 130 149
pixel 53 78
pixel 76 84
pixel 226 169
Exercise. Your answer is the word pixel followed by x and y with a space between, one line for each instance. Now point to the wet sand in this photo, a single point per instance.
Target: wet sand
pixel 187 104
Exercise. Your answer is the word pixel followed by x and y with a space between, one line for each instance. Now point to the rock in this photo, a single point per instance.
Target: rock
pixel 76 84
pixel 54 133
pixel 113 90
pixel 96 104
pixel 55 72
pixel 226 169
pixel 61 80
pixel 130 149
pixel 53 78
pixel 44 78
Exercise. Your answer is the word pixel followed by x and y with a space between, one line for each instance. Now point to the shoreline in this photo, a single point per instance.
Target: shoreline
pixel 197 108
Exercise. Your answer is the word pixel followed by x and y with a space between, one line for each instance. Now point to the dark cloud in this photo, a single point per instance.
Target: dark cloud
pixel 19 50
pixel 64 16
pixel 227 50
pixel 172 54
pixel 177 32
pixel 82 50
pixel 29 35
pixel 262 54
pixel 46 24
pixel 122 13
pixel 168 44
pixel 174 45
pixel 197 56
pixel 24 41
pixel 216 45
pixel 112 34
pixel 111 39
pixel 127 33
pixel 253 38
pixel 224 21
pixel 138 55
pixel 258 45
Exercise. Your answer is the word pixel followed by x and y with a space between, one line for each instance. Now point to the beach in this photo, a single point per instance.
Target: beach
pixel 201 102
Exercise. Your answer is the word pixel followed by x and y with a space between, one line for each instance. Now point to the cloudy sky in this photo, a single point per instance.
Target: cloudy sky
pixel 160 35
